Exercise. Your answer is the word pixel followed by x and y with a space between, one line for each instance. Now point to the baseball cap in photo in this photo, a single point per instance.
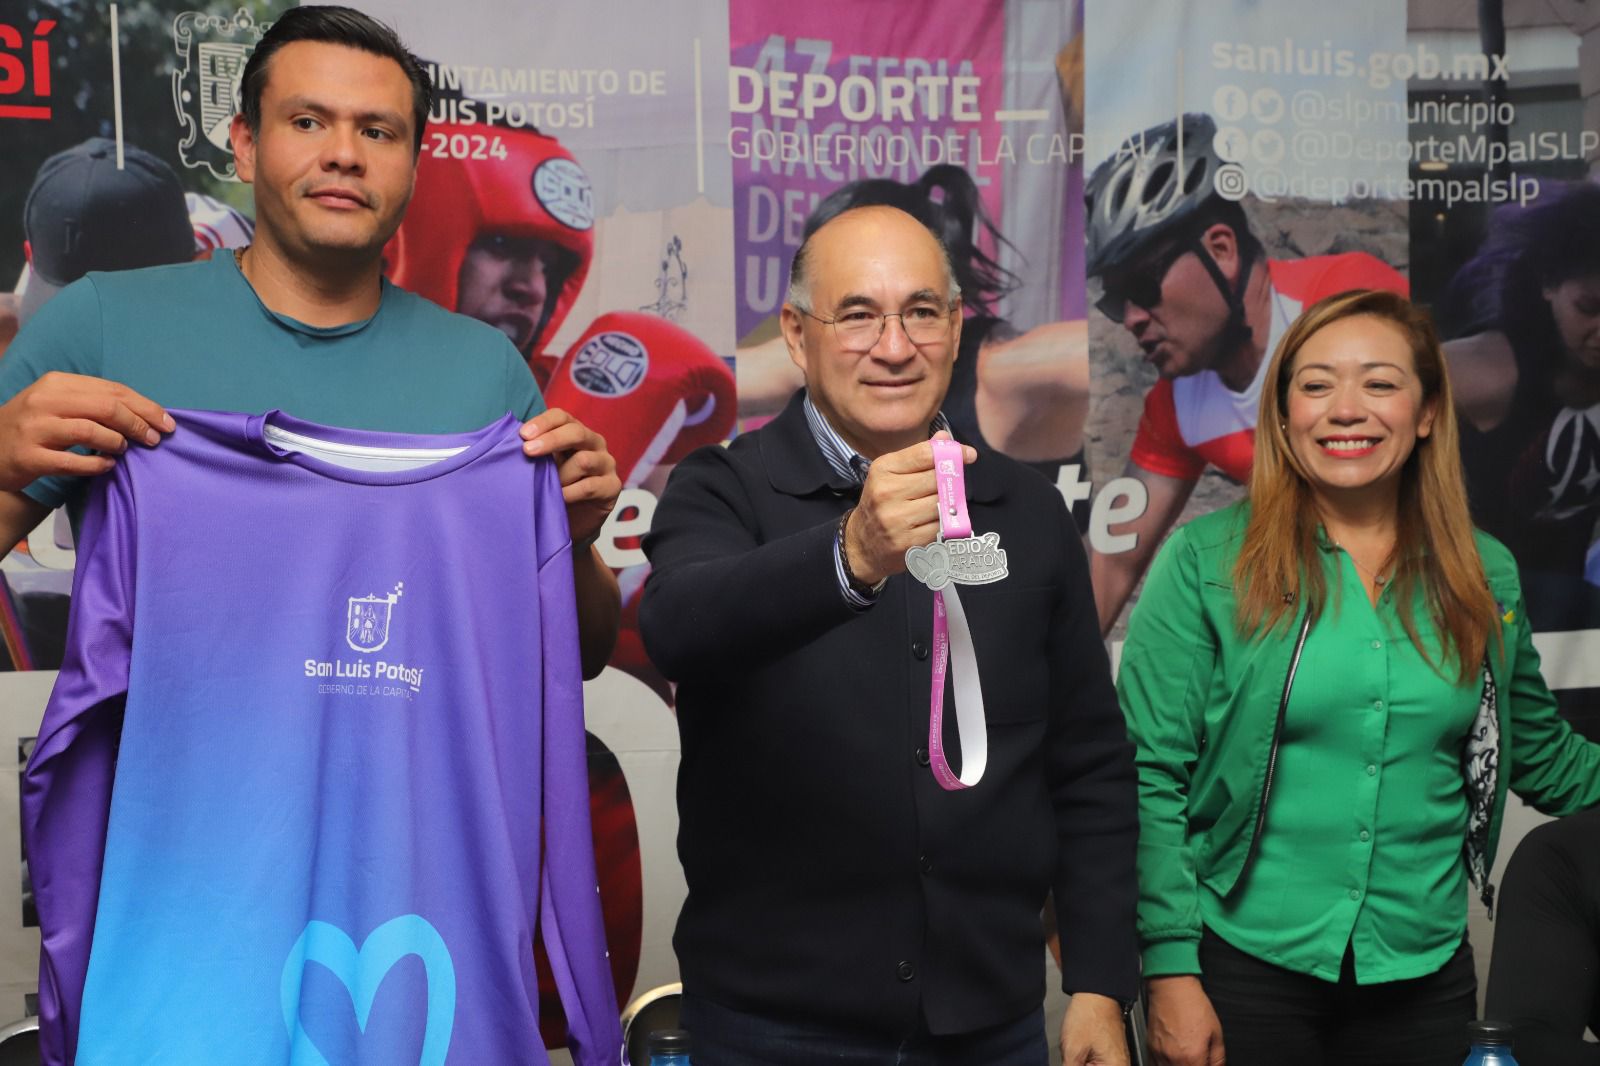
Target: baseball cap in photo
pixel 84 214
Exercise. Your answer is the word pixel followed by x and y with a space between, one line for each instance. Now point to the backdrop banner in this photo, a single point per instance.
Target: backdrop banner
pixel 620 187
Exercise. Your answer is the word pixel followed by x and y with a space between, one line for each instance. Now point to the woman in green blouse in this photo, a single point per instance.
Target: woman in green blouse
pixel 1331 687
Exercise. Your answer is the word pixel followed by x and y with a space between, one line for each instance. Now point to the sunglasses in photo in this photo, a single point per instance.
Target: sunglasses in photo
pixel 1140 286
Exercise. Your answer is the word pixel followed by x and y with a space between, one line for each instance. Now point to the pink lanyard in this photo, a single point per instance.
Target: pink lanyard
pixel 949 559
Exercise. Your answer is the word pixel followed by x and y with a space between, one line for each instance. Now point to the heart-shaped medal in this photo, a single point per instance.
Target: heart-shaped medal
pixel 930 564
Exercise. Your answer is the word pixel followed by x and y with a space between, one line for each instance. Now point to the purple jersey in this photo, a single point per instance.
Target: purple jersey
pixel 314 766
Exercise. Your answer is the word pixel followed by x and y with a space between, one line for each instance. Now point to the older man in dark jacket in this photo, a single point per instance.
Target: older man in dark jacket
pixel 844 906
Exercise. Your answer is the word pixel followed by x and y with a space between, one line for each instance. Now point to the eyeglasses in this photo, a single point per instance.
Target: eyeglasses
pixel 858 330
pixel 1140 286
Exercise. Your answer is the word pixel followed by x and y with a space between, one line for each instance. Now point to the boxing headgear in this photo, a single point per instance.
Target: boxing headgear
pixel 533 189
pixel 654 390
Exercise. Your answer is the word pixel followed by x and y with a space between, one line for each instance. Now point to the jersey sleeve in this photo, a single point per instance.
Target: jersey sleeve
pixel 1310 280
pixel 66 789
pixel 1158 445
pixel 65 335
pixel 523 397
pixel 570 918
pixel 1358 270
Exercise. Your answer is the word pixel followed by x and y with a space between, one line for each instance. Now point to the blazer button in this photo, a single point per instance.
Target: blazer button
pixel 905 971
pixel 919 648
pixel 925 864
pixel 922 757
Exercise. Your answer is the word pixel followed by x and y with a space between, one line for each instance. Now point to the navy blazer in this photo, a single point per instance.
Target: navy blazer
pixel 830 878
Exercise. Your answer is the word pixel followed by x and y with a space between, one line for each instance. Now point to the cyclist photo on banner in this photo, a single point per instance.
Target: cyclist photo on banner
pixel 1206 237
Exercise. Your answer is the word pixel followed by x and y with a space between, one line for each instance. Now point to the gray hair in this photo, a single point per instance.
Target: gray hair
pixel 799 291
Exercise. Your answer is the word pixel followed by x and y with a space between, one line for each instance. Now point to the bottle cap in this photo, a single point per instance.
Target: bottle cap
pixel 668 1040
pixel 1490 1032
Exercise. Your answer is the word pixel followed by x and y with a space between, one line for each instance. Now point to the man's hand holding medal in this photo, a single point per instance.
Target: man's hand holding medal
pixel 899 511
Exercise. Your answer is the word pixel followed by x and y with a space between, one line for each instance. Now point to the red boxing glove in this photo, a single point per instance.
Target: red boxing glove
pixel 654 390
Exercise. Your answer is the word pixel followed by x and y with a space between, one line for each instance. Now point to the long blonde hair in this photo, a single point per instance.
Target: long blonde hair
pixel 1434 547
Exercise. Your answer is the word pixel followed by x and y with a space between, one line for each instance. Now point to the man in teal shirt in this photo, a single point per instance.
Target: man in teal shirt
pixel 332 123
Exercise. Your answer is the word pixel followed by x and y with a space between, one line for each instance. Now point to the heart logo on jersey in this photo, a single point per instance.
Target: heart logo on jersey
pixel 362 971
pixel 930 565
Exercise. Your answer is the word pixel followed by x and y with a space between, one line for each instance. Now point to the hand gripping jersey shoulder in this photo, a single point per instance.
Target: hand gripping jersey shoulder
pixel 333 676
pixel 1193 422
pixel 537 190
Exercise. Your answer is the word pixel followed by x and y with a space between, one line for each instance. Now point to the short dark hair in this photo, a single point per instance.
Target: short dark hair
pixel 334 25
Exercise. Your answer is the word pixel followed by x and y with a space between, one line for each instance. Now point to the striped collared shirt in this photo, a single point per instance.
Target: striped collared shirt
pixel 852 466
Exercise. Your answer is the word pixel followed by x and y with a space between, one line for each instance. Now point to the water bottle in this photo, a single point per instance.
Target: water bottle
pixel 1491 1044
pixel 669 1047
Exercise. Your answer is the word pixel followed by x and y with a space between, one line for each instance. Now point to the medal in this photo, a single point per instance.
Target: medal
pixel 962 561
pixel 956 558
